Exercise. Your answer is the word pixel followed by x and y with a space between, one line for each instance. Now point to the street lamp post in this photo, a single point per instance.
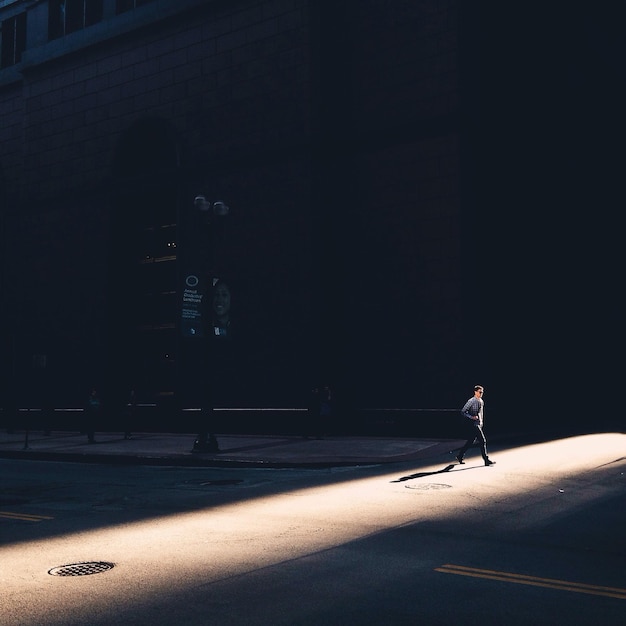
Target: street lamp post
pixel 200 224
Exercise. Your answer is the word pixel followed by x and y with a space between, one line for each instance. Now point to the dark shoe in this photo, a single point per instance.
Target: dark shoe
pixel 489 462
pixel 460 460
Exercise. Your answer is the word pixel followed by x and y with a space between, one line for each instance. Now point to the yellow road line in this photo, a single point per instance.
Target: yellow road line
pixel 521 579
pixel 25 517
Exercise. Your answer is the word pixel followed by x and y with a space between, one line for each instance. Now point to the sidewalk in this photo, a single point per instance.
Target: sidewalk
pixel 234 450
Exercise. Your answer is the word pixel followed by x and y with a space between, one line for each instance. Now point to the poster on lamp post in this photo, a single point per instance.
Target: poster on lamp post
pixel 195 254
pixel 193 302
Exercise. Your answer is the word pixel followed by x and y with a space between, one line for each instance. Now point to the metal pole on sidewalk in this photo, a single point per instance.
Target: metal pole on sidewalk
pixel 198 223
pixel 27 430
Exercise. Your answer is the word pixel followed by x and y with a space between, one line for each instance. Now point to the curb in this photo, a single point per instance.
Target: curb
pixel 200 460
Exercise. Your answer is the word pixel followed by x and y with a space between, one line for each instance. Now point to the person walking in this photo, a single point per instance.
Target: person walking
pixel 473 412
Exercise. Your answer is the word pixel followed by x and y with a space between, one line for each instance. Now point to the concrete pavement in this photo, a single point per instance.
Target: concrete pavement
pixel 239 450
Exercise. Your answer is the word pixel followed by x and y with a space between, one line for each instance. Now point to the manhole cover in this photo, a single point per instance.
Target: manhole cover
pixel 428 486
pixel 81 569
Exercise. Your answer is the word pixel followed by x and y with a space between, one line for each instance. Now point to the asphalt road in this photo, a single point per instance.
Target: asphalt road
pixel 536 539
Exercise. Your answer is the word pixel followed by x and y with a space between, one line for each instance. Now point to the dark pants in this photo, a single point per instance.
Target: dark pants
pixel 475 434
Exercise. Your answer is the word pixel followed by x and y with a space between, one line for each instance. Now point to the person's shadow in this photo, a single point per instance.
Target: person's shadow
pixel 441 471
pixel 422 474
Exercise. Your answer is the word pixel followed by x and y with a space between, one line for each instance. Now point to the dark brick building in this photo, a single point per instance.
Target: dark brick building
pixel 338 133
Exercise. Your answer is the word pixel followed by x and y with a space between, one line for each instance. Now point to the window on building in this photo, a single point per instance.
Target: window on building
pixel 121 6
pixel 68 16
pixel 13 36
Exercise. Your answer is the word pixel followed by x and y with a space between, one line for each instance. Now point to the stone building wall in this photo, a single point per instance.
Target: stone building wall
pixel 333 130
